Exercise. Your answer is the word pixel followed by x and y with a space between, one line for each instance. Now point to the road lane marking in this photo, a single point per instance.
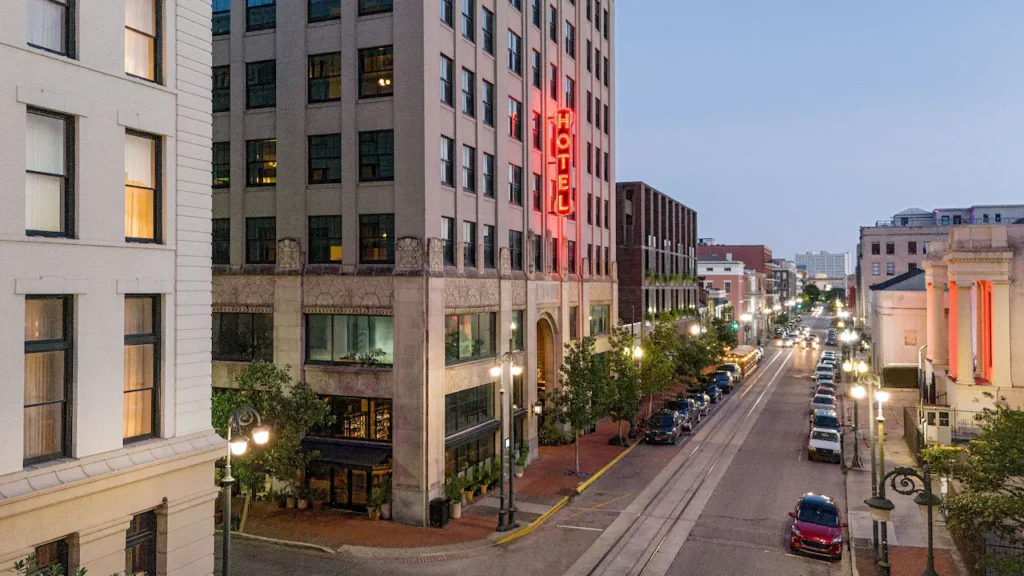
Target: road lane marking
pixel 581 528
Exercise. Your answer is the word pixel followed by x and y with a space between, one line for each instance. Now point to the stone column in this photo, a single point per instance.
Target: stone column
pixel 964 342
pixel 101 548
pixel 1001 333
pixel 979 329
pixel 938 339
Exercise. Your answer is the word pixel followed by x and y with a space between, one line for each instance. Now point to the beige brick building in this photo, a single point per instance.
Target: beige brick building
pixel 383 180
pixel 106 449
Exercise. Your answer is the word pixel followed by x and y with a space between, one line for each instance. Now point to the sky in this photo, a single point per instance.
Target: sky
pixel 792 123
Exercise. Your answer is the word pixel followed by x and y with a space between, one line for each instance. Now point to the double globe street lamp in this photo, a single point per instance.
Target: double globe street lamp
pixel 902 480
pixel 857 392
pixel 240 417
pixel 498 371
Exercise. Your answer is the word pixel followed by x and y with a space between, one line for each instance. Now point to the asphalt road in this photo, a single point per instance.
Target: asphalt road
pixel 715 504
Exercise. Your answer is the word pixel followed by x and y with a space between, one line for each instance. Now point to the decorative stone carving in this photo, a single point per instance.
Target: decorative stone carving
pixel 408 254
pixel 348 291
pixel 462 377
pixel 586 269
pixel 243 290
pixel 600 292
pixel 288 254
pixel 435 254
pixel 574 292
pixel 464 293
pixel 351 381
pixel 480 256
pixel 519 293
pixel 548 293
pixel 504 261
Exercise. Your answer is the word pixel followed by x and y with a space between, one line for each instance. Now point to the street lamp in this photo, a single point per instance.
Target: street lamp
pixel 695 329
pixel 746 318
pixel 902 480
pixel 858 393
pixel 239 418
pixel 498 371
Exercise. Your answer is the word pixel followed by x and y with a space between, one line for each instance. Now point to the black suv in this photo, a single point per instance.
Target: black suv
pixel 687 410
pixel 663 427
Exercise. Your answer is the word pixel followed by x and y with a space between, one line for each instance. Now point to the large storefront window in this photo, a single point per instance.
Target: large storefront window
pixel 338 339
pixel 518 330
pixel 468 408
pixel 243 337
pixel 359 418
pixel 469 337
pixel 469 452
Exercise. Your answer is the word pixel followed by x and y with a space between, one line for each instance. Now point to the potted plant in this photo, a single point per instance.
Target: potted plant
pixel 289 498
pixel 318 496
pixel 484 474
pixel 521 463
pixel 385 504
pixel 303 496
pixel 453 493
pixel 469 488
pixel 373 504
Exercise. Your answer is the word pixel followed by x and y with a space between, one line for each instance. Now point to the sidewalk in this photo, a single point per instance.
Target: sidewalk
pixel 908 528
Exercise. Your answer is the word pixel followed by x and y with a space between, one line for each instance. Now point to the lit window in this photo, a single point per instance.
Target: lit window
pixel 142 187
pixel 141 361
pixel 49 181
pixel 142 39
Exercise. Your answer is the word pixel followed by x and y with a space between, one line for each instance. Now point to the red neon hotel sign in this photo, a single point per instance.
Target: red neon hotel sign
pixel 563 162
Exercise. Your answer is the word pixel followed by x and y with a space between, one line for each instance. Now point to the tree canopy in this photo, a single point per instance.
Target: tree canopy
pixel 623 402
pixel 583 397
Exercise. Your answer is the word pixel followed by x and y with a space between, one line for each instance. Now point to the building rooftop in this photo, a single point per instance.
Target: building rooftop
pixel 912 281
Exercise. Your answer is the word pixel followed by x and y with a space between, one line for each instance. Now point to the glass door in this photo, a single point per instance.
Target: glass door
pixel 342 484
pixel 359 488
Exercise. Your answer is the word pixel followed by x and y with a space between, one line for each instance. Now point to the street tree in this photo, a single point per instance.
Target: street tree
pixel 624 387
pixel 583 398
pixel 657 363
pixel 991 500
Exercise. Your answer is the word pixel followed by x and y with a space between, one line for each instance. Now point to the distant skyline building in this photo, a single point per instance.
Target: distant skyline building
pixel 833 265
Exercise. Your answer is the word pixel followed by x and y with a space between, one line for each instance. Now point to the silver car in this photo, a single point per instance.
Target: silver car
pixel 823 402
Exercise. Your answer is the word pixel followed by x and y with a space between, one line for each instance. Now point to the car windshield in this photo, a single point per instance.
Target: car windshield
pixel 662 421
pixel 820 514
pixel 822 399
pixel 826 436
pixel 826 422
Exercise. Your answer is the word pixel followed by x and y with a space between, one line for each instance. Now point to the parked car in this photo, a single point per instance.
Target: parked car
pixel 823 402
pixel 825 419
pixel 823 373
pixel 703 402
pixel 723 380
pixel 824 444
pixel 734 370
pixel 687 411
pixel 713 393
pixel 825 390
pixel 830 341
pixel 827 385
pixel 817 527
pixel 663 427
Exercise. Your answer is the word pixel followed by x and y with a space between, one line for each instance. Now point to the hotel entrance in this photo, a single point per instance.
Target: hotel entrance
pixel 348 473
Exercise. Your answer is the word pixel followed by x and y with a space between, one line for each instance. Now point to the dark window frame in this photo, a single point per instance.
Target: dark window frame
pixel 487 350
pixel 570 256
pixel 469 93
pixel 515 249
pixel 70 151
pixel 515 185
pixel 489 247
pixel 319 63
pixel 489 176
pixel 255 349
pixel 468 20
pixel 446 12
pixel 267 24
pixel 377 221
pixel 515 53
pixel 448 240
pixel 469 244
pixel 155 339
pixel 221 93
pixel 535 67
pixel 260 168
pixel 468 408
pixel 66 344
pixel 447 81
pixel 447 161
pixel 371 7
pixel 487 30
pixel 326 6
pixel 307 352
pixel 378 155
pixel 158 45
pixel 221 234
pixel 487 103
pixel 319 244
pixel 254 88
pixel 468 170
pixel 59 555
pixel 256 245
pixel 330 161
pixel 378 416
pixel 375 53
pixel 158 183
pixel 69 37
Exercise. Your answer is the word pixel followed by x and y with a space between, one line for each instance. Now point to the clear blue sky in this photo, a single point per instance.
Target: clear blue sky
pixel 791 123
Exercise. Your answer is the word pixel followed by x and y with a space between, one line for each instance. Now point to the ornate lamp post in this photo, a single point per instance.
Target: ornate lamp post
pixel 902 481
pixel 746 318
pixel 239 418
pixel 498 371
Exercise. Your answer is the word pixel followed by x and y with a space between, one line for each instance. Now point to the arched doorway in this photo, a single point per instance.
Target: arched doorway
pixel 546 364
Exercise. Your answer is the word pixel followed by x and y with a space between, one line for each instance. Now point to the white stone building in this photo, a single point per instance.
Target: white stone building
pixel 106 448
pixel 899 320
pixel 830 264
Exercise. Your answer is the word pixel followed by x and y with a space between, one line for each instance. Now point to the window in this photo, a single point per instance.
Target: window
pixel 447 78
pixel 469 169
pixel 142 39
pixel 607 212
pixel 243 337
pixel 535 68
pixel 377 238
pixel 957 220
pixel 468 337
pixel 911 247
pixel 890 248
pixel 875 269
pixel 261 163
pixel 574 322
pixel 487 27
pixel 142 180
pixel 553 24
pixel 221 88
pixel 518 326
pixel 324 10
pixel 597 60
pixel 517 4
pixel 140 544
pixel 590 159
pixel 376 156
pixel 600 319
pixel 260 240
pixel 607 122
pixel 570 93
pixel 260 15
pixel 141 367
pixel 51 556
pixel 447 12
pixel 464 410
pixel 589 11
pixel 945 220
pixel 535 13
pixel 48 378
pixel 324 239
pixel 570 40
pixel 589 104
pixel 49 174
pixel 536 192
pixel 590 203
pixel 538 131
pixel 597 116
pixel 515 184
pixel 904 221
pixel 221 241
pixel 469 452
pixel 589 54
pixel 488 175
pixel 515 248
pixel 597 14
pixel 554 256
pixel 487 98
pixel 607 73
pixel 488 246
pixel 553 81
pixel 570 256
pixel 984 219
pixel 999 217
pixel 51 26
pixel 911 267
pixel 448 240
pixel 598 162
pixel 468 19
pixel 345 339
pixel 876 248
pixel 447 161
pixel 260 84
pixel 515 53
pixel 361 418
pixel 728 286
pixel 468 93
pixel 376 72
pixel 469 244
pixel 606 24
pixel 325 159
pixel 607 168
pixel 324 83
pixel 890 268
pixel 538 254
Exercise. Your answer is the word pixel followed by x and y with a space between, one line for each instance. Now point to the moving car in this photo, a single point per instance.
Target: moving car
pixel 825 419
pixel 663 427
pixel 830 341
pixel 723 380
pixel 817 527
pixel 824 444
pixel 787 342
pixel 823 402
pixel 687 411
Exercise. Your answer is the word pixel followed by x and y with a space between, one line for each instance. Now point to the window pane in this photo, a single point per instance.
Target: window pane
pixel 138 413
pixel 44 203
pixel 376 72
pixel 139 55
pixel 139 161
pixel 320 10
pixel 139 215
pixel 46 25
pixel 138 316
pixel 140 15
pixel 44 377
pixel 324 77
pixel 43 430
pixel 44 319
pixel 45 151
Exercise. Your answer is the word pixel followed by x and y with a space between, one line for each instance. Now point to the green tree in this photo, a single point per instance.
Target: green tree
pixel 694 354
pixel 624 387
pixel 723 335
pixel 990 468
pixel 657 363
pixel 583 398
pixel 811 295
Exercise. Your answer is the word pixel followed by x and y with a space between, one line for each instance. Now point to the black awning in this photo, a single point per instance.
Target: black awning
pixel 352 454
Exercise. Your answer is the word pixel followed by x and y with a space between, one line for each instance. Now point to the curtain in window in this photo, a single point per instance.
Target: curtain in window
pixel 140 182
pixel 44 403
pixel 46 24
pixel 139 38
pixel 44 181
pixel 138 390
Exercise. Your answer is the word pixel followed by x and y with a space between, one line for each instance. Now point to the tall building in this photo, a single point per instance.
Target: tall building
pixel 397 184
pixel 104 248
pixel 784 275
pixel 656 243
pixel 831 265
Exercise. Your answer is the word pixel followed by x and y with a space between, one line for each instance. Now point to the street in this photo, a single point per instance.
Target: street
pixel 715 504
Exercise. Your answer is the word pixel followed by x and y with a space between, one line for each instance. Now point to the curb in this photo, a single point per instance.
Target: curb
pixel 287 543
pixel 561 503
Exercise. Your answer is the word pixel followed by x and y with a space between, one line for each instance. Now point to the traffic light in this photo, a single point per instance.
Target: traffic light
pixel 799 306
pixel 735 326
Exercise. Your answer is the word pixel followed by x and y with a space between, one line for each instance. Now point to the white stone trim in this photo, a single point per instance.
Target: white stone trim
pixel 58 101
pixel 51 285
pixel 145 286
